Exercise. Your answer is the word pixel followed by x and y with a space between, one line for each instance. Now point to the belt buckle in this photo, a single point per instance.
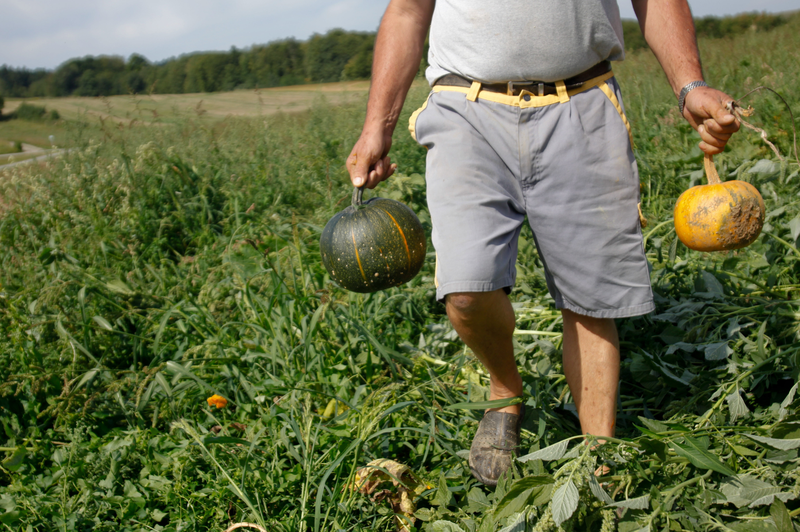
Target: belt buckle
pixel 539 85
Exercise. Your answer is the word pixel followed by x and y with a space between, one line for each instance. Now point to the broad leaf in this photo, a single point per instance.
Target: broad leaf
pixel 780 516
pixel 746 490
pixel 699 457
pixel 565 502
pixel 639 503
pixel 598 491
pixel 736 405
pixel 520 487
pixel 717 351
pixel 783 445
pixel 551 452
pixel 518 524
pixel 445 526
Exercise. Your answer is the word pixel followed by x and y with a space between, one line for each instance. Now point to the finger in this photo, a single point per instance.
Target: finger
pixel 711 139
pixel 711 150
pixel 358 168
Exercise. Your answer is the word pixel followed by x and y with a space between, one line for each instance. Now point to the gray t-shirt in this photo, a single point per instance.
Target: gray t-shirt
pixel 510 40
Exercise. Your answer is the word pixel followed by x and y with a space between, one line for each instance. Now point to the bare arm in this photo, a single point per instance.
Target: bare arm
pixel 398 51
pixel 669 30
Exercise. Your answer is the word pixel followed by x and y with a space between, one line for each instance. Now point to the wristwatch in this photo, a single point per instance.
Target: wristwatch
pixel 686 90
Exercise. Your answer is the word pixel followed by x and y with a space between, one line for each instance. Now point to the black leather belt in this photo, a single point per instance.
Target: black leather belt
pixel 540 88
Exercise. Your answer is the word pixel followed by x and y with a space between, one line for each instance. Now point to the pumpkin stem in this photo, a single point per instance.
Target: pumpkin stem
pixel 357 193
pixel 711 171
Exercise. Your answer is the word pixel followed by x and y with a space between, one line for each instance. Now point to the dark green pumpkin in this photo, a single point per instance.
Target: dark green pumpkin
pixel 373 245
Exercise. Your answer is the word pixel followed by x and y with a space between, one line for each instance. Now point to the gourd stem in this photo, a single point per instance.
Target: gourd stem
pixel 711 171
pixel 357 193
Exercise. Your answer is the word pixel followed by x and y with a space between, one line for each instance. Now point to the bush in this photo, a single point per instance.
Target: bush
pixel 28 111
pixel 2 103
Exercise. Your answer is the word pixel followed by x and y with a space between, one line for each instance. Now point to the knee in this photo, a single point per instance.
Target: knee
pixel 464 303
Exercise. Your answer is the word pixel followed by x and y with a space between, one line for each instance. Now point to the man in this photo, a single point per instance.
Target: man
pixel 525 119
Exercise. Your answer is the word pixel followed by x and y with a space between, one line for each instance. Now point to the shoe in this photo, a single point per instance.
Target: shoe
pixel 495 444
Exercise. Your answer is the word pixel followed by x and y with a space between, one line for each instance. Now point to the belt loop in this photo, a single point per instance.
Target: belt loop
pixel 472 95
pixel 563 95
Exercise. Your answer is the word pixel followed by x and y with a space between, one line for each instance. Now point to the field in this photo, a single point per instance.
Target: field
pixel 161 108
pixel 171 258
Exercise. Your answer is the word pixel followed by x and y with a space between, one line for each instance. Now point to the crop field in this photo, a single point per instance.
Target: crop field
pixel 166 108
pixel 154 267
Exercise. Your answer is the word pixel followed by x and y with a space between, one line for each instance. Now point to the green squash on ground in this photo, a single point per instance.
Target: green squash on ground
pixel 373 245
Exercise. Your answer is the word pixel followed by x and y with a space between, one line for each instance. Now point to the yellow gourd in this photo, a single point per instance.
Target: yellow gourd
pixel 719 216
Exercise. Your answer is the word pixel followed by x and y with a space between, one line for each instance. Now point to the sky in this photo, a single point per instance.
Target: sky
pixel 45 33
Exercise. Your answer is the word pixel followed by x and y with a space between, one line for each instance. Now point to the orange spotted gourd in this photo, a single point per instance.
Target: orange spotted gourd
pixel 719 216
pixel 373 245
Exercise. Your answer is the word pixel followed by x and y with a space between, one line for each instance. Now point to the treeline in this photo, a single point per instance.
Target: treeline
pixel 338 55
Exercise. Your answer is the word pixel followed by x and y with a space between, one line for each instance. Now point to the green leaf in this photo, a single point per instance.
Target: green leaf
pixel 483 405
pixel 445 526
pixel 565 502
pixel 15 461
pixel 699 457
pixel 783 445
pixel 736 405
pixel 656 447
pixel 745 490
pixel 780 516
pixel 639 503
pixel 519 524
pixel 598 491
pixel 102 322
pixel 549 453
pixel 520 494
pixel 443 494
pixel 787 401
pixel 652 424
pixel 717 351
pixel 119 287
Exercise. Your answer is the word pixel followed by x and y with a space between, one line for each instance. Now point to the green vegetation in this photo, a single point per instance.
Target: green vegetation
pixel 338 55
pixel 156 266
pixel 33 113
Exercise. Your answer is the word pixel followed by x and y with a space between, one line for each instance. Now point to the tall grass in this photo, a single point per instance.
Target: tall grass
pixel 157 266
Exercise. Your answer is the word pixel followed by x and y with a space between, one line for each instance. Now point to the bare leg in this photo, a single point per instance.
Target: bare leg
pixel 591 365
pixel 485 322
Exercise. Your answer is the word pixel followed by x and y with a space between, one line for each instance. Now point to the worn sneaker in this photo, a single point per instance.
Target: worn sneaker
pixel 495 444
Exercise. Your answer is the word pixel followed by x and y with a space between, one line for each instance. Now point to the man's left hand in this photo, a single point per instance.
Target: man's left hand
pixel 705 109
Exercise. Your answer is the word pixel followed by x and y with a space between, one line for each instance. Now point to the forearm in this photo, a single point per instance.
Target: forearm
pixel 398 51
pixel 668 28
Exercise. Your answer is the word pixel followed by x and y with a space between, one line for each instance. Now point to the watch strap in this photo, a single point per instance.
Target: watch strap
pixel 686 90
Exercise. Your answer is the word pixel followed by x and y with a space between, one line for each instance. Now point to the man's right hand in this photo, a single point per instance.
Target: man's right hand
pixel 369 163
pixel 398 50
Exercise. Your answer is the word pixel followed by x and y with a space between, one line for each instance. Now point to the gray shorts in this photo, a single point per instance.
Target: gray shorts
pixel 565 162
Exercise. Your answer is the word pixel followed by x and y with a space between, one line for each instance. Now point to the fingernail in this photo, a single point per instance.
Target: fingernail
pixel 358 181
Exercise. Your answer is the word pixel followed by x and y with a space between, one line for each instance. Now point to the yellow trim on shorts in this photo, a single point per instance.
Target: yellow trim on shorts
pixel 519 100
pixel 611 96
pixel 412 121
pixel 436 273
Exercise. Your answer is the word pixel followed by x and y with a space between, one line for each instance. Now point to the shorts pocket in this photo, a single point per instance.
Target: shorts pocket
pixel 412 122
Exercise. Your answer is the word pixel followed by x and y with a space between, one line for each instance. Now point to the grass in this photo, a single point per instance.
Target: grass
pixel 35 133
pixel 154 267
pixel 160 108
